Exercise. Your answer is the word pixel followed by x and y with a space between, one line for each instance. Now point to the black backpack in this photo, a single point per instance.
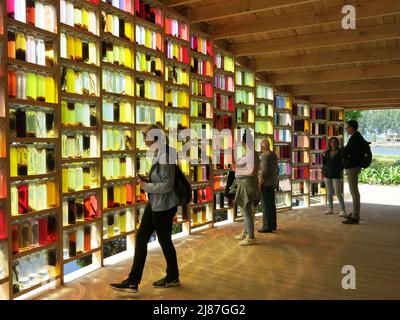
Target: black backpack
pixel 366 156
pixel 182 187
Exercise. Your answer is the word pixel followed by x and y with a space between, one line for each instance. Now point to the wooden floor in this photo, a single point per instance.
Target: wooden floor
pixel 302 260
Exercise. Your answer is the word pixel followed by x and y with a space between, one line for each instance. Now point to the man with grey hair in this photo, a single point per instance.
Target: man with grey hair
pixel 268 182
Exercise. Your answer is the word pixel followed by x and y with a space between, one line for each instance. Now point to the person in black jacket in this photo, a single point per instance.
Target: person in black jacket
pixel 352 157
pixel 333 173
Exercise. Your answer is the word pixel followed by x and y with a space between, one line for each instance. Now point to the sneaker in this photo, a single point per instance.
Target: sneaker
pixel 342 213
pixel 247 241
pixel 163 283
pixel 125 286
pixel 241 236
pixel 328 211
pixel 351 221
pixel 348 215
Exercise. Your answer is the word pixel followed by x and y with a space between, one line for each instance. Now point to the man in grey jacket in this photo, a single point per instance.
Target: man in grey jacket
pixel 158 216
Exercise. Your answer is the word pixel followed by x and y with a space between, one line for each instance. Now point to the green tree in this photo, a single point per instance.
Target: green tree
pixel 352 115
pixel 377 121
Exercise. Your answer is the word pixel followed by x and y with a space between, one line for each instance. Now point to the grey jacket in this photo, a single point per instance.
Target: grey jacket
pixel 247 185
pixel 247 191
pixel 162 195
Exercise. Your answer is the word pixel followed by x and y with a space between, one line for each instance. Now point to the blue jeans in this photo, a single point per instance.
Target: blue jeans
pixel 335 186
pixel 269 207
pixel 248 220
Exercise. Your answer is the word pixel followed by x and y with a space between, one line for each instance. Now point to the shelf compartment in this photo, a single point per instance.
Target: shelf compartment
pixel 115 39
pixel 121 208
pixel 224 92
pixel 121 235
pixel 32 140
pixel 181 87
pixel 33 103
pixel 81 224
pixel 198 184
pixel 31 66
pixel 36 286
pixel 66 160
pixel 176 63
pixel 117 152
pixel 119 124
pixel 111 9
pixel 145 100
pixel 148 75
pixel 200 55
pixel 79 65
pixel 35 249
pixel 202 77
pixel 77 96
pixel 82 255
pixel 32 214
pixel 33 177
pixel 18 25
pixel 116 95
pixel 82 192
pixel 180 222
pixel 205 203
pixel 224 72
pixel 244 87
pixel 148 25
pixel 141 47
pixel 4 281
pixel 118 180
pixel 300 164
pixel 194 226
pixel 117 67
pixel 79 128
pixel 79 32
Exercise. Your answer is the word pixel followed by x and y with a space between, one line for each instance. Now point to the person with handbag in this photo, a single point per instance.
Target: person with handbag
pixel 333 173
pixel 247 189
pixel 269 170
pixel 158 215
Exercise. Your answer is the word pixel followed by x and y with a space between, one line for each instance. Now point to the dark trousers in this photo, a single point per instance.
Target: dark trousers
pixel 269 208
pixel 161 223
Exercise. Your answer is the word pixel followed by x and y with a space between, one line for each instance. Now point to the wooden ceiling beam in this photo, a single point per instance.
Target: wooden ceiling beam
pixel 359 103
pixel 234 8
pixel 357 96
pixel 176 3
pixel 373 107
pixel 327 58
pixel 365 9
pixel 360 73
pixel 344 87
pixel 318 40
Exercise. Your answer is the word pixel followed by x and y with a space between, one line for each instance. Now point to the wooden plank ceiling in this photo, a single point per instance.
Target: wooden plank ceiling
pixel 300 46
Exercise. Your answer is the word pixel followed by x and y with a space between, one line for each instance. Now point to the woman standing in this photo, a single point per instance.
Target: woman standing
pixel 333 172
pixel 247 192
pixel 158 215
pixel 268 182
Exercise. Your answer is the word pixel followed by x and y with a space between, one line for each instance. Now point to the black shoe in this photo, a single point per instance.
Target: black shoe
pixel 264 231
pixel 351 220
pixel 163 283
pixel 125 286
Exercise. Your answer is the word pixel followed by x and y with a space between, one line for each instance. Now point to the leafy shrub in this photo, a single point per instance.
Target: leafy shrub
pixel 381 172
